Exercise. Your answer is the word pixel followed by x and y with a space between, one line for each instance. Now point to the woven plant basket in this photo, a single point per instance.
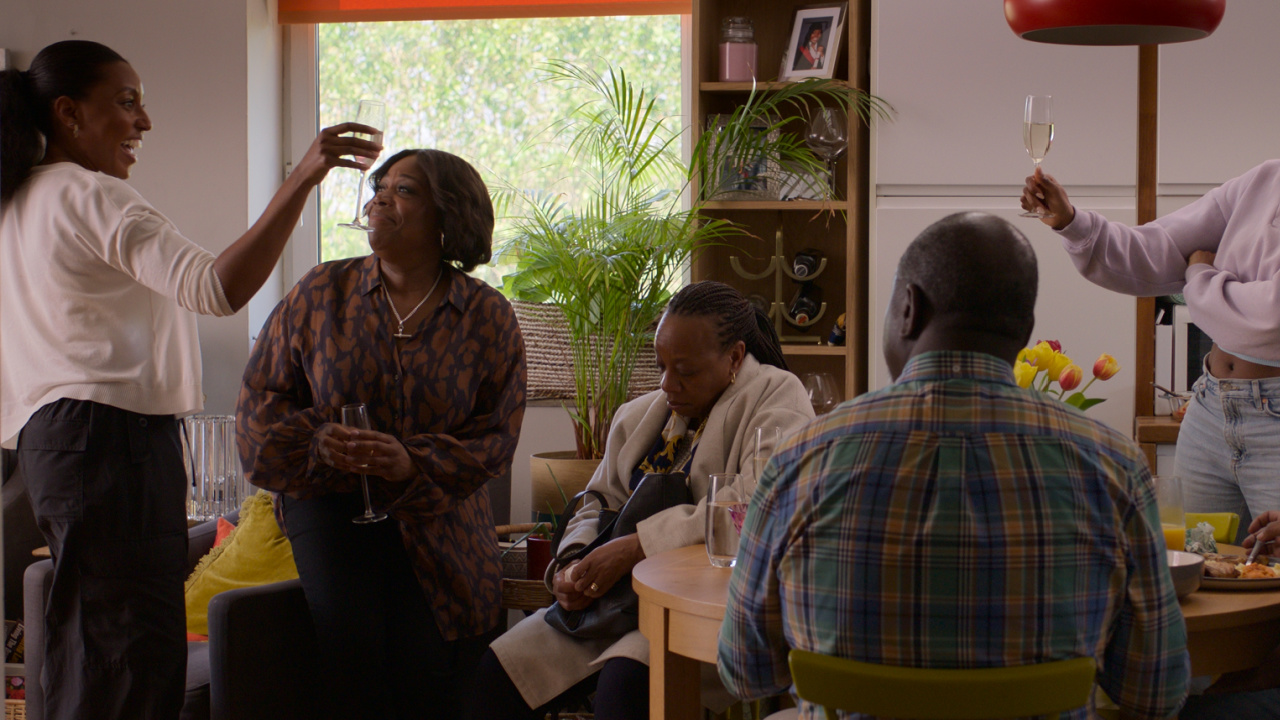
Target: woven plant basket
pixel 525 594
pixel 549 355
pixel 15 710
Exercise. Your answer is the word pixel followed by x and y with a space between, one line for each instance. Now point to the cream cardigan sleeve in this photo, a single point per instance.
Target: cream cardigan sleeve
pixel 130 235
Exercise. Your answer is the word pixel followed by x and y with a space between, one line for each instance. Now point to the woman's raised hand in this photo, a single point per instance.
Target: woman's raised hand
pixel 336 147
pixel 1043 192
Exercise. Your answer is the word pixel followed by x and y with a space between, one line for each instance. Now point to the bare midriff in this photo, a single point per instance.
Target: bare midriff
pixel 1223 365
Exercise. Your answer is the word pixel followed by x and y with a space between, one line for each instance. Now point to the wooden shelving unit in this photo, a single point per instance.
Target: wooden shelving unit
pixel 838 229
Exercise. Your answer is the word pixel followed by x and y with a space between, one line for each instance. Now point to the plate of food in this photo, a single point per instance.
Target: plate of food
pixel 1228 571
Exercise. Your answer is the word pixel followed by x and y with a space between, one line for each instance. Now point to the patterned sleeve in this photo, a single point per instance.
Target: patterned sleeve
pixel 453 466
pixel 275 422
pixel 752 655
pixel 1146 667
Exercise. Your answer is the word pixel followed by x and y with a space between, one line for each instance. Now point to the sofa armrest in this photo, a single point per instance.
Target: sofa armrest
pixel 262 654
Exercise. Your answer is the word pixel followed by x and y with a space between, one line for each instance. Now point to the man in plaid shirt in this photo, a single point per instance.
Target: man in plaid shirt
pixel 954 520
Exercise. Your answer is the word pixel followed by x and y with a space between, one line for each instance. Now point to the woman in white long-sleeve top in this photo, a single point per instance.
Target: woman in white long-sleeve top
pixel 100 357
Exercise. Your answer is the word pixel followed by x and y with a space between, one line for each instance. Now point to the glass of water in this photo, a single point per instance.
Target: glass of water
pixel 726 509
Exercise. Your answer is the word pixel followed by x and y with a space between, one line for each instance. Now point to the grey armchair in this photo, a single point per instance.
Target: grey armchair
pixel 259 662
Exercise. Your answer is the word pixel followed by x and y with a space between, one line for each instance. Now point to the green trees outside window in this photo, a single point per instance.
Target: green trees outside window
pixel 472 87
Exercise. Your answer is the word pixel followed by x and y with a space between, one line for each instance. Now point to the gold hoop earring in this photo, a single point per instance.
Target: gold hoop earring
pixel 75 130
pixel 733 377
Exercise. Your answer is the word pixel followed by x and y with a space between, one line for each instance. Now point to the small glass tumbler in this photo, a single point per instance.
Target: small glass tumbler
pixel 726 509
pixel 1173 520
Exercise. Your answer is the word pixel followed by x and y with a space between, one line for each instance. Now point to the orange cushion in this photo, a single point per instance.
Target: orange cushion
pixel 224 529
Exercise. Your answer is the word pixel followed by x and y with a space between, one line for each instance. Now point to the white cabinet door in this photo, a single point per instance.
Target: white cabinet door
pixel 1219 98
pixel 1087 319
pixel 958 76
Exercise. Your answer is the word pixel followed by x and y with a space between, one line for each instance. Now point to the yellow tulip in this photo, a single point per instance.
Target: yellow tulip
pixel 1024 373
pixel 1106 367
pixel 1059 363
pixel 1070 377
pixel 1042 355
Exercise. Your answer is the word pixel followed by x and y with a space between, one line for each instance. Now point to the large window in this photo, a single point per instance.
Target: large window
pixel 475 88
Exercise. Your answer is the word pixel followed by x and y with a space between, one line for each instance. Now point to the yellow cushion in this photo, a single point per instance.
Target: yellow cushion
pixel 255 553
pixel 1225 524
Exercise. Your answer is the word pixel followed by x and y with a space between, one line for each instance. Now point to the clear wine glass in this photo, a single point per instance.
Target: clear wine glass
pixel 828 137
pixel 356 416
pixel 374 114
pixel 1037 135
pixel 823 394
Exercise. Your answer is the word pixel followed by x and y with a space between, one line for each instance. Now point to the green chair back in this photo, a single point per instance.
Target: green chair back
pixel 931 694
pixel 1225 524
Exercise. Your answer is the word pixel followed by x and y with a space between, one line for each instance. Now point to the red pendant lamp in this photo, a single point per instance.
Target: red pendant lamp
pixel 1113 22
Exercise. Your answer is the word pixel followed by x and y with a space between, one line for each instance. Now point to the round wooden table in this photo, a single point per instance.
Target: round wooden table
pixel 1231 630
pixel 682 600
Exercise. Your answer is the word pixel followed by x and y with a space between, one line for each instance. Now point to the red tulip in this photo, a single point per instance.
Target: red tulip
pixel 1070 377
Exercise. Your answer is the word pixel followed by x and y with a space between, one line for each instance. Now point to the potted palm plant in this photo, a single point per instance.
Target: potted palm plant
pixel 610 260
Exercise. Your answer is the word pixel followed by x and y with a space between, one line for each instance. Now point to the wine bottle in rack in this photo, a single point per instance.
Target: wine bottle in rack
pixel 806 263
pixel 805 303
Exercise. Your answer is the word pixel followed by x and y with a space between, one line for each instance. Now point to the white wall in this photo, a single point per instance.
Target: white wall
pixel 958 78
pixel 205 164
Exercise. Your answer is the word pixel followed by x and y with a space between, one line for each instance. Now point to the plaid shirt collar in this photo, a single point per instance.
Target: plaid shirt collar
pixel 941 365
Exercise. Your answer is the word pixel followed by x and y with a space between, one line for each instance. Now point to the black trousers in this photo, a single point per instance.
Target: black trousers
pixel 383 656
pixel 109 493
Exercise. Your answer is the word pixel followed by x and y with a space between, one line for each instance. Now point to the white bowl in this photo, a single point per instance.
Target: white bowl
pixel 1186 569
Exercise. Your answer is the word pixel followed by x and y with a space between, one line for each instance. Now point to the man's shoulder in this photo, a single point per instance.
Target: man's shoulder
pixel 1005 410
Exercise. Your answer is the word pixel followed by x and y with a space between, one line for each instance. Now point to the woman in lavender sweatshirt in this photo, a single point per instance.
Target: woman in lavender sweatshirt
pixel 1222 252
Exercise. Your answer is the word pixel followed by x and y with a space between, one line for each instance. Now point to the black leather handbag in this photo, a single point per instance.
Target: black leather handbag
pixel 617 612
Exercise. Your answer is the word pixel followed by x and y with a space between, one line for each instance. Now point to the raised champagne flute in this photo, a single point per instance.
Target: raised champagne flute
pixel 374 114
pixel 356 416
pixel 1037 135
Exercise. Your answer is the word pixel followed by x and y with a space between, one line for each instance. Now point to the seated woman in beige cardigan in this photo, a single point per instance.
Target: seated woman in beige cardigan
pixel 723 374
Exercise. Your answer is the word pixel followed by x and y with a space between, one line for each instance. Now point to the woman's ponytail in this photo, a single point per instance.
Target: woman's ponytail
pixel 21 143
pixel 68 68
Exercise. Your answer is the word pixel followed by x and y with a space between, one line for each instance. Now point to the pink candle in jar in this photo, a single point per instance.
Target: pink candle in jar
pixel 737 50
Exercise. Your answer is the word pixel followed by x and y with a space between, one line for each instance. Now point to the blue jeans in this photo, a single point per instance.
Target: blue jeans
pixel 1228 453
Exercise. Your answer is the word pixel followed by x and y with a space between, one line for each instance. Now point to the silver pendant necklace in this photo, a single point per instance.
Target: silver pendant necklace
pixel 400 334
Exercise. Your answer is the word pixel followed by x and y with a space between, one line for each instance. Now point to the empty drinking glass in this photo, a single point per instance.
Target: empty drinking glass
pixel 726 509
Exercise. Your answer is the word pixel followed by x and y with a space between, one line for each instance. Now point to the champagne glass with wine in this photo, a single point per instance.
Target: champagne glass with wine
pixel 1037 135
pixel 374 114
pixel 356 416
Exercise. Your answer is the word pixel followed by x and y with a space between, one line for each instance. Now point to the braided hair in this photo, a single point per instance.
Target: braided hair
pixel 71 68
pixel 735 319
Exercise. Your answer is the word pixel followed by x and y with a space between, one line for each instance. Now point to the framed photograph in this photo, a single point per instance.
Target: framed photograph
pixel 754 177
pixel 816 34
